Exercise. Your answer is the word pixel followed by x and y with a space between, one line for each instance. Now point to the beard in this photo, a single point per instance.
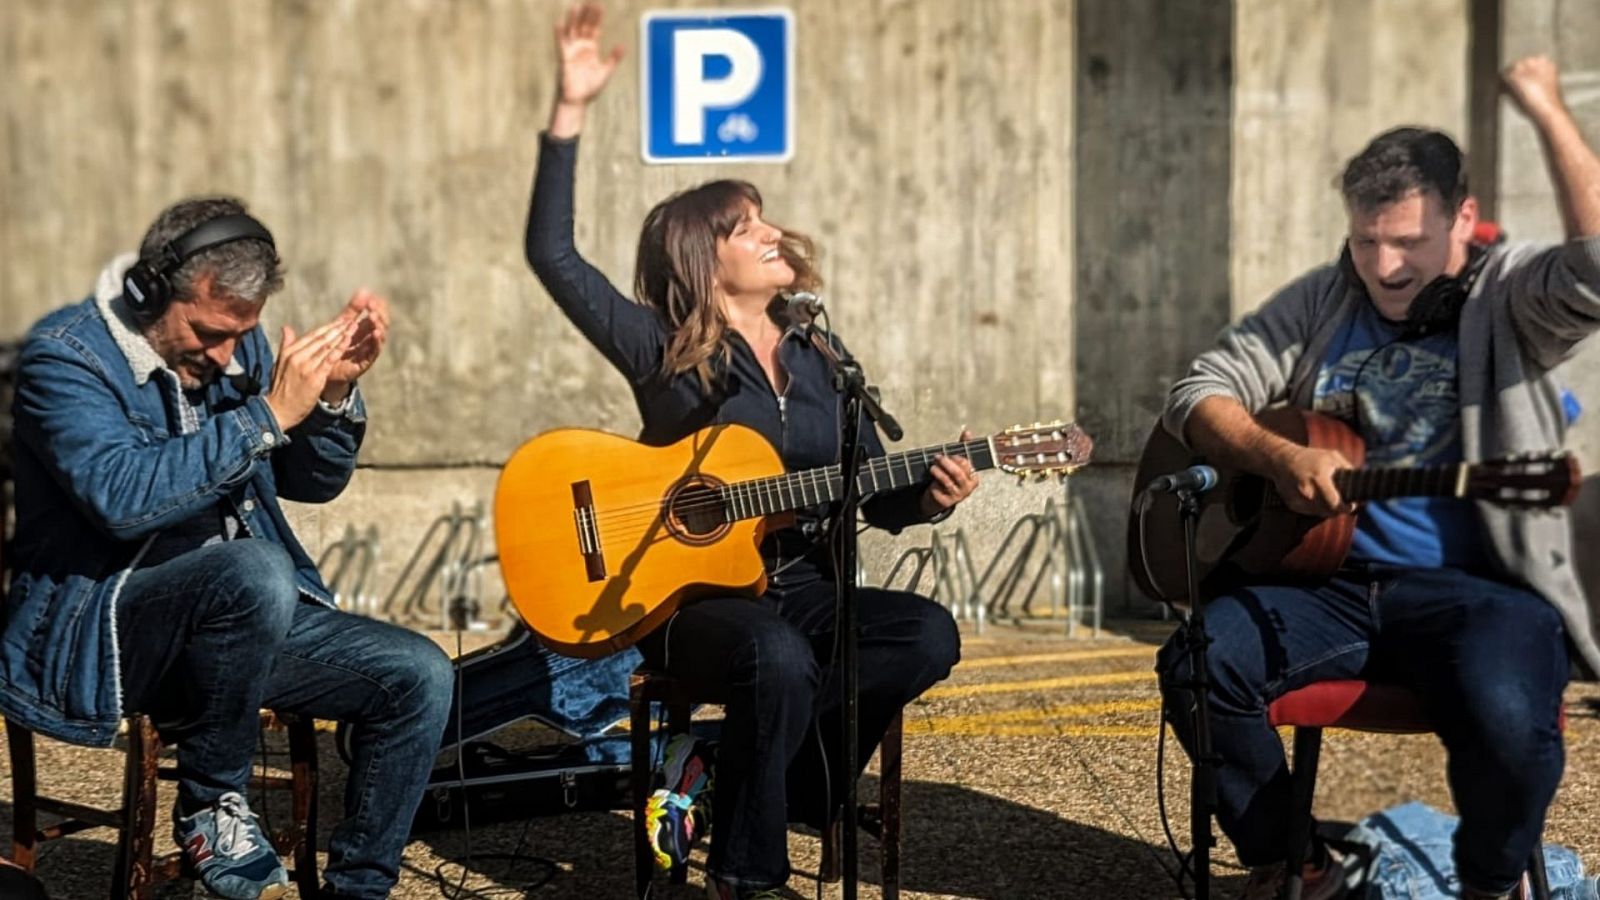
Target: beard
pixel 193 369
pixel 193 373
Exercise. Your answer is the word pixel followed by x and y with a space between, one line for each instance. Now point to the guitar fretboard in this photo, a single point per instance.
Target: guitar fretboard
pixel 782 493
pixel 1389 482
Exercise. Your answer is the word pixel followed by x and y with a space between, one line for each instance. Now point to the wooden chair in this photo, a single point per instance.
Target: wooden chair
pixel 137 870
pixel 1359 706
pixel 679 697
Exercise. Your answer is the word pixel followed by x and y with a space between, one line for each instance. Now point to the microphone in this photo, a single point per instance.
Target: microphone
pixel 1195 479
pixel 802 305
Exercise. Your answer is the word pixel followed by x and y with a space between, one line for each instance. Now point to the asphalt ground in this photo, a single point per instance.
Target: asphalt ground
pixel 1030 773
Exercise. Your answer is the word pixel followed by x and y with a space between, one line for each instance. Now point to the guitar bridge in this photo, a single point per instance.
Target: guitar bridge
pixel 594 561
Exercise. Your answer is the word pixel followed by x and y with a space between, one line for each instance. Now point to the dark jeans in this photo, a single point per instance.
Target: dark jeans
pixel 1489 660
pixel 211 637
pixel 774 652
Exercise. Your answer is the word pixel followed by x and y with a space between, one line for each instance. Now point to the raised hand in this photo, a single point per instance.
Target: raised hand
pixel 583 69
pixel 1535 84
pixel 301 372
pixel 369 314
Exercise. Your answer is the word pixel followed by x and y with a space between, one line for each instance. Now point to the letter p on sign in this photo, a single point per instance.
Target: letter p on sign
pixel 717 87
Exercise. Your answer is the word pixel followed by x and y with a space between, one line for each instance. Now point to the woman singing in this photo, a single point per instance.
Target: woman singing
pixel 708 341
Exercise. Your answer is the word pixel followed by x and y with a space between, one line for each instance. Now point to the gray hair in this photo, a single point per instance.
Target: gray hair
pixel 247 270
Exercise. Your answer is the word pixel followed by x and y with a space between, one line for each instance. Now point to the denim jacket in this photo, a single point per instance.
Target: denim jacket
pixel 108 453
pixel 1407 851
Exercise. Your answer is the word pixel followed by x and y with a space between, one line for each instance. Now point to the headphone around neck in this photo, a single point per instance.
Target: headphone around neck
pixel 1437 307
pixel 147 285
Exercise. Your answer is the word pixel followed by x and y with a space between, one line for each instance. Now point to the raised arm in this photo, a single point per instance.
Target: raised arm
pixel 1556 294
pixel 629 335
pixel 584 70
pixel 1535 84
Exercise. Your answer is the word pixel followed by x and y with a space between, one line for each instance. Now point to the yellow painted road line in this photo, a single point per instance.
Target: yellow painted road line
pixel 1038 714
pixel 1042 684
pixel 1043 729
pixel 1072 656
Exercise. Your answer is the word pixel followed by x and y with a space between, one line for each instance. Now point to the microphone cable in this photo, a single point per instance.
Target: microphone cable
pixel 459 890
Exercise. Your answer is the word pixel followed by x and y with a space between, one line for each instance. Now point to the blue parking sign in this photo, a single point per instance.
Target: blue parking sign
pixel 718 87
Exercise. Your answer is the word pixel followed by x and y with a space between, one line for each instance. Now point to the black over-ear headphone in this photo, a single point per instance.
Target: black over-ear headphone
pixel 1437 307
pixel 147 286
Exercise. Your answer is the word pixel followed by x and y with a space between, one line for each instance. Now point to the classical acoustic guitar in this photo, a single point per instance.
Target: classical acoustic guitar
pixel 601 537
pixel 1246 531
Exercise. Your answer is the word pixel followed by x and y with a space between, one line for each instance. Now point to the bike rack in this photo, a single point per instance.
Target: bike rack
pixel 949 561
pixel 1083 561
pixel 447 565
pixel 1057 542
pixel 1034 539
pixel 347 565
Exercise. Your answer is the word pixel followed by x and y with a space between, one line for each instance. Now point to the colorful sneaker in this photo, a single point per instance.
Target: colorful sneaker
pixel 679 811
pixel 688 764
pixel 224 847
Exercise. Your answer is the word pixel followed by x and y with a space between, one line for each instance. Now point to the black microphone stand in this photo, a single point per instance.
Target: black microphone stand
pixel 851 383
pixel 1203 783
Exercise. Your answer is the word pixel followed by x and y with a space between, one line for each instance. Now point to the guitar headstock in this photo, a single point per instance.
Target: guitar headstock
pixel 1042 449
pixel 1529 481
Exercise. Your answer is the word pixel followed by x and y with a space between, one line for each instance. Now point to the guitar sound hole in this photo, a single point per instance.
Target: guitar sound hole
pixel 697 513
pixel 1248 497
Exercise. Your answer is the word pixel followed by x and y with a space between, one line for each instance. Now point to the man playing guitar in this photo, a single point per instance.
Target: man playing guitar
pixel 1434 350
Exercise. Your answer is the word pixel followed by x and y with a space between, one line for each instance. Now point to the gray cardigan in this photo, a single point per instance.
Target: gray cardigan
pixel 1529 310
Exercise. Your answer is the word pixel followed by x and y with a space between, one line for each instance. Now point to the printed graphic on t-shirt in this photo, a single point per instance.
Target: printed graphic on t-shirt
pixel 1401 397
pixel 1408 413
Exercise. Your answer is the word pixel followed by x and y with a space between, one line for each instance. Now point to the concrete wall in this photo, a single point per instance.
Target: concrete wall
pixel 1153 154
pixel 968 168
pixel 392 144
pixel 1315 81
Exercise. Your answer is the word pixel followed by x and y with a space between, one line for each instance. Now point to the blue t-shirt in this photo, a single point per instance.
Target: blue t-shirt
pixel 1401 396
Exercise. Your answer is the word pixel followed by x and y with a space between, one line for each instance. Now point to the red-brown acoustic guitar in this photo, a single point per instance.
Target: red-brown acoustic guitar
pixel 1245 526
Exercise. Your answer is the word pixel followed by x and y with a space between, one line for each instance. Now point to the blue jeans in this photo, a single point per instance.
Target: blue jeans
pixel 1489 659
pixel 774 653
pixel 212 636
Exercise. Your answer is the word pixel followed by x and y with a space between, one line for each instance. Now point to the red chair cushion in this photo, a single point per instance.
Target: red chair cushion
pixel 1358 705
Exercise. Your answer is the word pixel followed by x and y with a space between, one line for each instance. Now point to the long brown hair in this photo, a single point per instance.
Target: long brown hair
pixel 676 262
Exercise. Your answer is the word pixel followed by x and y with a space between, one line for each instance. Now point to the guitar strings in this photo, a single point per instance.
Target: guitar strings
pixel 772 485
pixel 758 489
pixel 751 492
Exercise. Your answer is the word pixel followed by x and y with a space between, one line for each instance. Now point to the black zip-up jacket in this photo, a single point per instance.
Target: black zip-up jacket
pixel 802 422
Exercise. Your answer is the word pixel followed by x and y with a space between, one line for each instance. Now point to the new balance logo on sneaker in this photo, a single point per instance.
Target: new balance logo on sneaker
pixel 224 847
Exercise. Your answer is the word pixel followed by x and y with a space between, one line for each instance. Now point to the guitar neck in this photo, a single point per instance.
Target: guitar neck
pixel 811 487
pixel 1389 482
